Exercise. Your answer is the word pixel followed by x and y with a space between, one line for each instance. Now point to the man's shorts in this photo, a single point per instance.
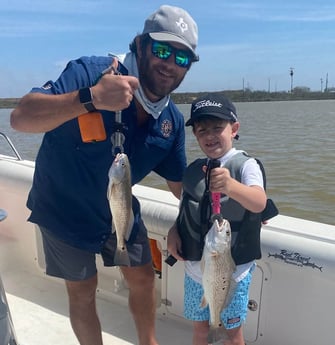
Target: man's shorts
pixel 233 316
pixel 71 263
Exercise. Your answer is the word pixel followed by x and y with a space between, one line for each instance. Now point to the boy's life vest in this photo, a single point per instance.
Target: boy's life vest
pixel 193 220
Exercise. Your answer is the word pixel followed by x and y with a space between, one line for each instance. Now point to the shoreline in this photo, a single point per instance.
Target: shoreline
pixel 234 95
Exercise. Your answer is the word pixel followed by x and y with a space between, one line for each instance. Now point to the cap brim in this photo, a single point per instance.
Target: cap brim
pixel 191 121
pixel 169 37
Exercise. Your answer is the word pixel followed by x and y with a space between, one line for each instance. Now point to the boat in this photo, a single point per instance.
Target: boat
pixel 291 297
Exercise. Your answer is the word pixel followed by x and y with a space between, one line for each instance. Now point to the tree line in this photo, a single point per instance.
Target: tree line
pixel 257 96
pixel 234 95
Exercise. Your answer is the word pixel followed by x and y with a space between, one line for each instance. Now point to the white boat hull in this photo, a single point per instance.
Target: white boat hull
pixel 291 297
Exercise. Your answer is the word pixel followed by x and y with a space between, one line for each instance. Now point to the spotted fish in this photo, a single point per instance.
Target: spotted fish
pixel 119 195
pixel 217 267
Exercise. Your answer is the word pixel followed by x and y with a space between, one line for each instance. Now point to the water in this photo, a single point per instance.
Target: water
pixel 294 140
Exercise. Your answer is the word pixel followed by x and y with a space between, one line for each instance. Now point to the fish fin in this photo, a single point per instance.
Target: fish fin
pixel 109 190
pixel 204 302
pixel 231 292
pixel 216 334
pixel 130 226
pixel 202 264
pixel 113 227
pixel 121 257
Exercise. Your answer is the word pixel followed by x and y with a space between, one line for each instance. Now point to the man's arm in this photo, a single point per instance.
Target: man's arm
pixel 39 112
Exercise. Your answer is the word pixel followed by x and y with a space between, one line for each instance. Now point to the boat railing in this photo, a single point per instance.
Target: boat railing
pixel 11 145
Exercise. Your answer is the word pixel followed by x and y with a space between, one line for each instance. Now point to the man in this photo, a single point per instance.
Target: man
pixel 68 197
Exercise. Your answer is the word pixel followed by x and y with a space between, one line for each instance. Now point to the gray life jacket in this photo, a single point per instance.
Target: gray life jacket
pixel 193 220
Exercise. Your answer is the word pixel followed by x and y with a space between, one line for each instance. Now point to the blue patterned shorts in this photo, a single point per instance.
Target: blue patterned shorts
pixel 233 316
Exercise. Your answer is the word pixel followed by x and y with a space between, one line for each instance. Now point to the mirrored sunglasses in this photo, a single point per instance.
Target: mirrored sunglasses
pixel 163 50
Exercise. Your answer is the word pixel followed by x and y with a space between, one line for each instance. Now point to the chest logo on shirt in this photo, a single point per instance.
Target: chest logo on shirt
pixel 166 128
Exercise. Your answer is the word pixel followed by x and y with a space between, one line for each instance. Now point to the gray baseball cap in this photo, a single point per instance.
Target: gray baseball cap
pixel 173 24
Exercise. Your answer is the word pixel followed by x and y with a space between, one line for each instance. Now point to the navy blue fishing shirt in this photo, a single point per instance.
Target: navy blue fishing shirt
pixel 69 191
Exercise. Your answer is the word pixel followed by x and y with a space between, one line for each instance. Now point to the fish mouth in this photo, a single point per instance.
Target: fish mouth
pixel 219 219
pixel 117 157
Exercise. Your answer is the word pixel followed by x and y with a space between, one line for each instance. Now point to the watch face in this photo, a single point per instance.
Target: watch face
pixel 85 97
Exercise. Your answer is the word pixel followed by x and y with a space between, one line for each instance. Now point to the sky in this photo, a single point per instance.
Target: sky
pixel 242 44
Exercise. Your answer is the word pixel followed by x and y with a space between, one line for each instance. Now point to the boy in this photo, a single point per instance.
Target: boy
pixel 239 179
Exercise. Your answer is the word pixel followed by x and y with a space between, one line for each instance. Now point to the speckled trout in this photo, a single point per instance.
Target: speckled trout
pixel 120 202
pixel 217 266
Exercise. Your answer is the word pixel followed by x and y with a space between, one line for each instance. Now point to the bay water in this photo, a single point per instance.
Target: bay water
pixel 294 140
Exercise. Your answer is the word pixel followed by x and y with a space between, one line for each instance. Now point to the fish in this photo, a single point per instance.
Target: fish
pixel 119 195
pixel 218 267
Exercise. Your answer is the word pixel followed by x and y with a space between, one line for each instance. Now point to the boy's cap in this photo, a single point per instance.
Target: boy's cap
pixel 173 24
pixel 215 105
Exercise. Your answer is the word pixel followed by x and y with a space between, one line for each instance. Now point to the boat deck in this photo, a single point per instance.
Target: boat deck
pixel 40 314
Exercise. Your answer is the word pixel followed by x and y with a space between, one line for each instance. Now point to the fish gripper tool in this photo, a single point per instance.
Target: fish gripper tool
pixel 118 138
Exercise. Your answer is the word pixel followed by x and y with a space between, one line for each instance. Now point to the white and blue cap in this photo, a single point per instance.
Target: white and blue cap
pixel 173 24
pixel 212 105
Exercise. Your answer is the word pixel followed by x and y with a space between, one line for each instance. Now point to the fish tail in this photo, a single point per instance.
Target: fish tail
pixel 121 257
pixel 216 334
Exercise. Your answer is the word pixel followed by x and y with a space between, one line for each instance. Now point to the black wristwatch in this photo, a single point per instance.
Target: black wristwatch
pixel 85 97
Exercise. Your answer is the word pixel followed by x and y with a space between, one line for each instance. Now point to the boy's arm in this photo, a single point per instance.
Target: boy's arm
pixel 253 198
pixel 175 188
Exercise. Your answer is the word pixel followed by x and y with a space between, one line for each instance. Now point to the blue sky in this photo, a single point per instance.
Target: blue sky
pixel 241 43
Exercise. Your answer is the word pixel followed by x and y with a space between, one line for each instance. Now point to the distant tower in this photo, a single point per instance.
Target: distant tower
pixel 321 80
pixel 291 74
pixel 326 88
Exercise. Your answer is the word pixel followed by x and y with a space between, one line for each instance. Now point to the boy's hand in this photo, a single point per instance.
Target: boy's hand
pixel 220 180
pixel 174 243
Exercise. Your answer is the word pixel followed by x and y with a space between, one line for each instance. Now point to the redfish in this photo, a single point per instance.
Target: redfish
pixel 119 194
pixel 218 267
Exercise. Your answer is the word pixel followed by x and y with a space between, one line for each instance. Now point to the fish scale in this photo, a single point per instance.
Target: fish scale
pixel 218 267
pixel 119 194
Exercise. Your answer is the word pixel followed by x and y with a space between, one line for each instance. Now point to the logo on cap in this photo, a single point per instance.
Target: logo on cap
pixel 206 103
pixel 182 25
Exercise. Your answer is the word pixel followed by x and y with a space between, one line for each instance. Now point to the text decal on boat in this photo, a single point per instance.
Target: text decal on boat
pixel 294 258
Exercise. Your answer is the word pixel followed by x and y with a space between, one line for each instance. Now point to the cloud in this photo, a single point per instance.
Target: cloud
pixel 284 12
pixel 42 18
pixel 52 7
pixel 270 11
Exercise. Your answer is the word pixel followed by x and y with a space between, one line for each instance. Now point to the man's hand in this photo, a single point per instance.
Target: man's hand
pixel 114 92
